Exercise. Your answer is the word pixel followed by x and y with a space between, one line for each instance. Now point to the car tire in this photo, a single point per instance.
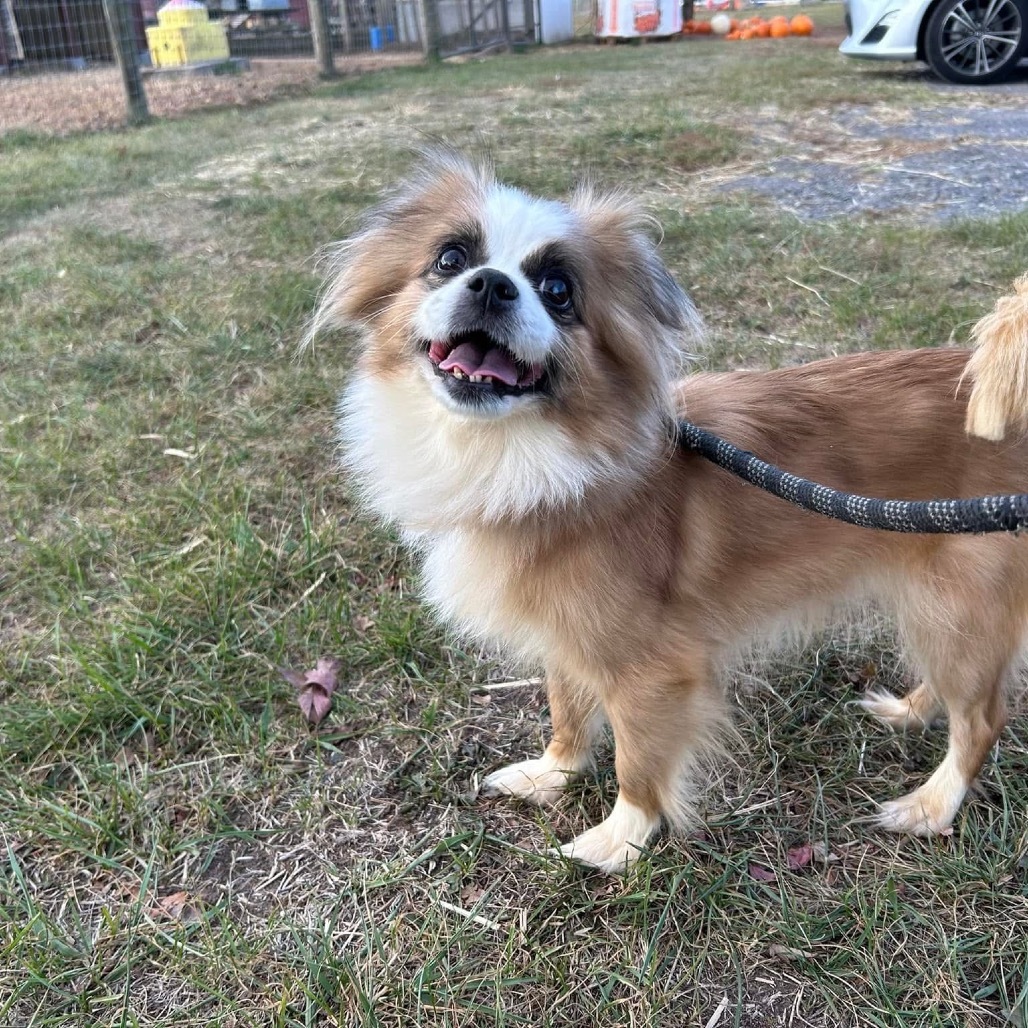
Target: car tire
pixel 975 42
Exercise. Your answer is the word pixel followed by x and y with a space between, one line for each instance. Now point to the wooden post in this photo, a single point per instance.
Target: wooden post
pixel 428 26
pixel 322 37
pixel 505 23
pixel 120 28
pixel 344 18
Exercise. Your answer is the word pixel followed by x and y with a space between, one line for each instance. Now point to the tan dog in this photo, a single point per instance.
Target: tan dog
pixel 511 412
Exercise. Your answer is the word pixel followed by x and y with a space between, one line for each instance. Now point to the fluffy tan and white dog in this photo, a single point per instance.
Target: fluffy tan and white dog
pixel 512 413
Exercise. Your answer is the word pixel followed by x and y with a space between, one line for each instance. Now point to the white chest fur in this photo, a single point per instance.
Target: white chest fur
pixel 470 586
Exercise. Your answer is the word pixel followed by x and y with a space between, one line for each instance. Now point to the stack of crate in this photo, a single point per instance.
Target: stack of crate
pixel 184 34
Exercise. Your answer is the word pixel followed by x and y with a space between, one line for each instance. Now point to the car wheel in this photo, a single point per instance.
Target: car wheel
pixel 976 41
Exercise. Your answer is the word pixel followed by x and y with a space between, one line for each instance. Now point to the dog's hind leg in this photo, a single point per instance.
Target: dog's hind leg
pixel 659 732
pixel 919 709
pixel 965 641
pixel 577 721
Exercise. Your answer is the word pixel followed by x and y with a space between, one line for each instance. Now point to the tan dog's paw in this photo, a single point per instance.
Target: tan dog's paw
pixel 615 844
pixel 537 781
pixel 890 710
pixel 916 711
pixel 929 810
pixel 911 816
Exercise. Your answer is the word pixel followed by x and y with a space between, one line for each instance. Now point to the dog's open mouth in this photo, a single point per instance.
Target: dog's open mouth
pixel 482 364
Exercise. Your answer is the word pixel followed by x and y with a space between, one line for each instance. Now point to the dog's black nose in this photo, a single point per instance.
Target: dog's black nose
pixel 496 291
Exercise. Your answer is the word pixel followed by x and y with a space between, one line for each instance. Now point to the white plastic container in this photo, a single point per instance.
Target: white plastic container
pixel 638 19
pixel 555 22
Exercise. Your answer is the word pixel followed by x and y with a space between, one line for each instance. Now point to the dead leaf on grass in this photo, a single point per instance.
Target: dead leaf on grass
pixel 178 906
pixel 314 688
pixel 470 895
pixel 799 856
pixel 761 874
pixel 788 953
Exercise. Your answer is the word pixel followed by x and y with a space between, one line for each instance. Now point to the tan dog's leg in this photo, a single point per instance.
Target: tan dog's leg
pixel 965 645
pixel 658 734
pixel 577 721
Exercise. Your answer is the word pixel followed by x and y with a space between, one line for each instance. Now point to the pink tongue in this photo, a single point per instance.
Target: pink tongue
pixel 469 359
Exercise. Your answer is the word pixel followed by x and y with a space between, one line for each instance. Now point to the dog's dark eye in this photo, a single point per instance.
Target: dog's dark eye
pixel 451 260
pixel 555 291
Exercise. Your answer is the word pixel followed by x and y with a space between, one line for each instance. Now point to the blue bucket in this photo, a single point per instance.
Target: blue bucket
pixel 376 37
pixel 390 34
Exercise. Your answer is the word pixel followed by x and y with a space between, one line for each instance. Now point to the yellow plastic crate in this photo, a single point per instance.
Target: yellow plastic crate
pixel 173 47
pixel 172 16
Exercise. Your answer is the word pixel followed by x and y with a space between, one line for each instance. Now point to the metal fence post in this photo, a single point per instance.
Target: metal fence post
pixel 119 25
pixel 428 23
pixel 321 34
pixel 530 20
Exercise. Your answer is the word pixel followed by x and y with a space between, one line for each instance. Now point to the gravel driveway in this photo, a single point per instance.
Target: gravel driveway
pixel 953 161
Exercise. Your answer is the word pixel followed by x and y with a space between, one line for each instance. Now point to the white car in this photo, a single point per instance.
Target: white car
pixel 967 41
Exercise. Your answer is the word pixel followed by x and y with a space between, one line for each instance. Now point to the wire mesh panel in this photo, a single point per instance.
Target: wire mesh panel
pixel 466 25
pixel 69 65
pixel 282 28
pixel 58 67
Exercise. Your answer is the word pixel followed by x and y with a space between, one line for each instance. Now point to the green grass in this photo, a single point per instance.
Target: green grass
pixel 176 847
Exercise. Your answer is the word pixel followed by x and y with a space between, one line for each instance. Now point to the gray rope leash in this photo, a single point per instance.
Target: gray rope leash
pixel 982 514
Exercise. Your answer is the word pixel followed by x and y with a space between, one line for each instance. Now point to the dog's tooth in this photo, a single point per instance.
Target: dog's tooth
pixel 476 378
pixel 457 373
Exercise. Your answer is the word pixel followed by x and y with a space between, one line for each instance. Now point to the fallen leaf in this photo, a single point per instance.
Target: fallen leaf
pixel 799 856
pixel 470 895
pixel 314 688
pixel 761 874
pixel 175 907
pixel 362 623
pixel 788 953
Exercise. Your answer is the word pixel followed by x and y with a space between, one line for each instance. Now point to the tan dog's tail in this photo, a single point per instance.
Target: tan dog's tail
pixel 998 368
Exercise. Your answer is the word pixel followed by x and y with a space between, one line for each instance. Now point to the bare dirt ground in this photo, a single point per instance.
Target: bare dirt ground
pixel 58 103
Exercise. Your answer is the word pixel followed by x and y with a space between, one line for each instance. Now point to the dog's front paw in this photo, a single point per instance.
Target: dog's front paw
pixel 537 781
pixel 615 844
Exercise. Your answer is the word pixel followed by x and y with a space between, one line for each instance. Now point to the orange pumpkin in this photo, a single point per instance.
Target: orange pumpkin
pixel 732 35
pixel 748 34
pixel 763 30
pixel 702 28
pixel 801 25
pixel 779 29
pixel 688 28
pixel 734 25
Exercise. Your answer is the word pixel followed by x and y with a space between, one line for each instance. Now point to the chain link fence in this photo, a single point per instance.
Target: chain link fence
pixel 71 65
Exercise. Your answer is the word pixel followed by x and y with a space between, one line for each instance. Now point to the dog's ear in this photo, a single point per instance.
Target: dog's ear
pixel 631 263
pixel 391 246
pixel 669 302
